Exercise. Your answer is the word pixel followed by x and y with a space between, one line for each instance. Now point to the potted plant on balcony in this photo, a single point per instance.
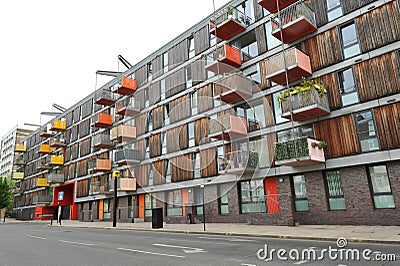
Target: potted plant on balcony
pixel 229 10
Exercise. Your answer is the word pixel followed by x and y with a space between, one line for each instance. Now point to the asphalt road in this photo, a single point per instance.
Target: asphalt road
pixel 40 244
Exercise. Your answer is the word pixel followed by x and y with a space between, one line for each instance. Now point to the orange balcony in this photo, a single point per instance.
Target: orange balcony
pixel 227 127
pixel 104 97
pixel 233 88
pixel 128 107
pixel 228 22
pixel 58 125
pixel 126 86
pixel 123 133
pixel 126 184
pixel 299 151
pixel 45 148
pixel 298 66
pixel 99 165
pixel 298 20
pixel 20 148
pixel 102 141
pixel 224 59
pixel 102 120
pixel 272 6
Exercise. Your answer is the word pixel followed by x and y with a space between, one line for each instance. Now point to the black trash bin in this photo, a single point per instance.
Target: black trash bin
pixel 157 218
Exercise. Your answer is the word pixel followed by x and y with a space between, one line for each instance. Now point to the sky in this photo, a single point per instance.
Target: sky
pixel 50 50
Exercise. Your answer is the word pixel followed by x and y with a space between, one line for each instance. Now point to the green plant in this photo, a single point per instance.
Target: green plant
pixel 322 144
pixel 305 86
pixel 230 10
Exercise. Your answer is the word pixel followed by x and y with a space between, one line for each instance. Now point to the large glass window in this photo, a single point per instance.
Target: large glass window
pixel 260 146
pixel 248 46
pixel 272 42
pixel 150 202
pixel 165 62
pixel 162 87
pixel 380 187
pixel 196 165
pixel 300 193
pixel 247 8
pixel 150 175
pixel 191 134
pixel 347 87
pixel 107 209
pixel 302 131
pixel 149 72
pixel 366 131
pixel 189 79
pixel 334 191
pixel 167 172
pixel 192 52
pixel 252 196
pixel 334 9
pixel 223 190
pixel 174 203
pixel 194 103
pixel 255 113
pixel 277 110
pixel 254 73
pixel 198 198
pixel 350 44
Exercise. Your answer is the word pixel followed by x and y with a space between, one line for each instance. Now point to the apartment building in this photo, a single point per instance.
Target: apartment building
pixel 265 112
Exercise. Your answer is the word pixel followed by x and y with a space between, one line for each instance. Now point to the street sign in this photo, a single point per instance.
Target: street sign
pixel 61 196
pixel 116 174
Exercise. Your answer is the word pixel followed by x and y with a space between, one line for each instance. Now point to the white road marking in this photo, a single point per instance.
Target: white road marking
pixel 36 237
pixel 342 265
pixel 152 253
pixel 245 264
pixel 300 262
pixel 227 239
pixel 185 249
pixel 76 243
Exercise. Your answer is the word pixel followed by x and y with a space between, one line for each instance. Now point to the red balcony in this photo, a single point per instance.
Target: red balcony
pixel 298 20
pixel 128 107
pixel 104 97
pixel 271 5
pixel 126 86
pixel 298 66
pixel 102 120
pixel 228 22
pixel 227 127
pixel 233 88
pixel 225 59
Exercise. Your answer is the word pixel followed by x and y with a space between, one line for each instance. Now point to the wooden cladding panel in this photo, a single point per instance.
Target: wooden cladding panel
pixel 87 108
pixel 208 163
pixel 265 83
pixel 77 114
pixel 379 27
pixel 177 139
pixel 71 174
pixel 141 124
pixel 331 84
pixel 387 120
pixel 349 6
pixel 141 98
pixel 141 75
pixel 157 66
pixel 155 145
pixel 201 40
pixel 103 155
pixel 269 114
pixel 175 83
pixel 319 7
pixel 158 172
pixel 74 151
pixel 154 93
pixel 85 147
pixel 271 139
pixel 140 173
pixel 205 99
pixel 200 130
pixel 67 154
pixel 323 49
pixel 69 118
pixel 74 133
pixel 82 168
pixel 82 188
pixel 378 77
pixel 340 135
pixel 181 168
pixel 84 128
pixel 179 108
pixel 198 71
pixel 178 54
pixel 258 10
pixel 261 38
pixel 158 117
pixel 140 145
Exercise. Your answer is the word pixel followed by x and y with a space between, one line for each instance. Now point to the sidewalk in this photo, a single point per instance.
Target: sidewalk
pixel 368 234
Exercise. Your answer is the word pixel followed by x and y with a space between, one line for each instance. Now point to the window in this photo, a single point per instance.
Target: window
pixel 149 203
pixel 380 187
pixel 165 62
pixel 349 40
pixel 147 153
pixel 174 203
pixel 334 9
pixel 302 131
pixel 253 72
pixel 194 103
pixel 196 165
pixel 164 143
pixel 162 88
pixel 213 40
pixel 222 162
pixel 334 191
pixel 252 196
pixel 189 80
pixel 272 42
pixel 223 190
pixel 248 46
pixel 192 52
pixel 366 131
pixel 149 72
pixel 255 114
pixel 247 9
pixel 167 172
pixel 107 209
pixel 131 203
pixel 198 199
pixel 347 87
pixel 300 193
pixel 149 174
pixel 260 146
pixel 149 122
pixel 191 134
pixel 277 110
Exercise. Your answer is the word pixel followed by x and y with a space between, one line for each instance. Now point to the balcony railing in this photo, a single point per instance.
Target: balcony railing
pixel 19 160
pixel 306 105
pixel 298 20
pixel 20 148
pixel 298 66
pixel 126 86
pixel 299 151
pixel 45 148
pixel 46 132
pixel 123 133
pixel 42 200
pixel 127 157
pixel 239 162
pixel 42 182
pixel 99 165
pixel 53 178
pixel 101 120
pixel 126 184
pixel 272 6
pixel 58 142
pixel 224 59
pixel 128 107
pixel 43 164
pixel 233 88
pixel 97 187
pixel 227 127
pixel 58 125
pixel 228 22
pixel 104 97
pixel 18 175
pixel 102 141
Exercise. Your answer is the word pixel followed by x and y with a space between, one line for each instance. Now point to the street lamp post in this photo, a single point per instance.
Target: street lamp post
pixel 115 175
pixel 204 209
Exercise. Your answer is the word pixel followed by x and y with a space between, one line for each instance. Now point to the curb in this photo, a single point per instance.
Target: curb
pixel 308 238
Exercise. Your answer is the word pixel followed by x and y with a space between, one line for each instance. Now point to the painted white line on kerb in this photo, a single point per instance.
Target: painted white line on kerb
pixel 300 262
pixel 36 237
pixel 245 264
pixel 228 239
pixel 152 253
pixel 76 243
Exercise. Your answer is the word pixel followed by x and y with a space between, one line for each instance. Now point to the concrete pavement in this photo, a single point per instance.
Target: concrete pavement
pixel 367 234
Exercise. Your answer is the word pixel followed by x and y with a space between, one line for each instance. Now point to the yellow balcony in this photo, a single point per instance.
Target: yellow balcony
pixel 58 125
pixel 20 148
pixel 45 148
pixel 57 160
pixel 42 182
pixel 18 175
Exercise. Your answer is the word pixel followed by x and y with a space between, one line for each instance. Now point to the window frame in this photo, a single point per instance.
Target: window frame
pixel 295 198
pixel 328 196
pixel 251 201
pixel 358 132
pixel 220 203
pixel 341 27
pixel 371 187
pixel 329 10
pixel 341 87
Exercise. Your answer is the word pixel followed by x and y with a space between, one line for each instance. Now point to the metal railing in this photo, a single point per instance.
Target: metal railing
pixel 104 94
pixel 291 149
pixel 102 139
pixel 239 160
pixel 233 82
pixel 291 13
pixel 128 155
pixel 229 13
pixel 304 99
pixel 276 63
pixel 130 103
pixel 100 187
pixel 42 199
pixel 55 178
